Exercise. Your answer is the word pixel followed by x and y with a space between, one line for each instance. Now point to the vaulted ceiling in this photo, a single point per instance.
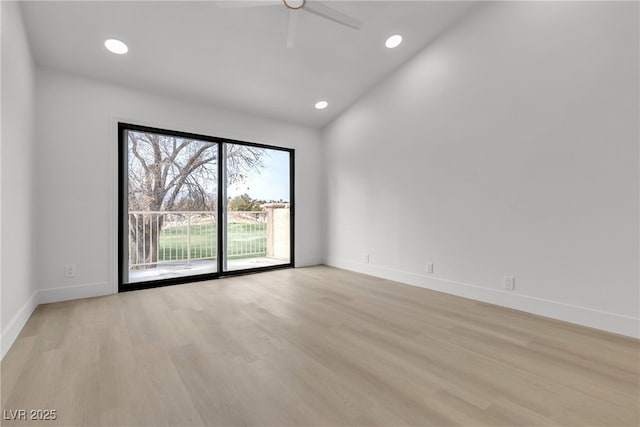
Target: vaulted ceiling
pixel 237 58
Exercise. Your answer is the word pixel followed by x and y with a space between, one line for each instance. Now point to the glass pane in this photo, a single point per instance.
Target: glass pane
pixel 172 207
pixel 258 207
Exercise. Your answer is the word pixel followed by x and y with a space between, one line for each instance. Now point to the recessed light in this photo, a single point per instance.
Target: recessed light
pixel 116 46
pixel 321 105
pixel 393 41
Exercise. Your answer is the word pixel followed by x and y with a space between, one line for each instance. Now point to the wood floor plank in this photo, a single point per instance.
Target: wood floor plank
pixel 314 346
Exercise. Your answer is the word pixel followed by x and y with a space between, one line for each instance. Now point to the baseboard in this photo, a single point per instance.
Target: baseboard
pixel 67 293
pixel 611 322
pixel 45 296
pixel 307 262
pixel 12 330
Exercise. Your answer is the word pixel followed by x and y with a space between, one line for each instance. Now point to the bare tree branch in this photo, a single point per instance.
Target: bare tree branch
pixel 166 172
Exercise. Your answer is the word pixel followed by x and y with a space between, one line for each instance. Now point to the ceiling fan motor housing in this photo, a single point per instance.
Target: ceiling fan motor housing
pixel 294 4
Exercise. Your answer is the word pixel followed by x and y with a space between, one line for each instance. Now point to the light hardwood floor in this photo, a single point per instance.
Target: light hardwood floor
pixel 314 346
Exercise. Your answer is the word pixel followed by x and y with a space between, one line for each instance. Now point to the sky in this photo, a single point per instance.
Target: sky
pixel 272 183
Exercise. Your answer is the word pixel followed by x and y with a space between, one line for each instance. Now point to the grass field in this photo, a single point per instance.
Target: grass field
pixel 243 241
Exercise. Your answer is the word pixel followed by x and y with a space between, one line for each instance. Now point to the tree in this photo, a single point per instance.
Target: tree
pixel 169 173
pixel 244 202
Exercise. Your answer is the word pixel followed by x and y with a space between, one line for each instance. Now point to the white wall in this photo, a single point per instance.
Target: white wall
pixel 77 173
pixel 509 146
pixel 18 284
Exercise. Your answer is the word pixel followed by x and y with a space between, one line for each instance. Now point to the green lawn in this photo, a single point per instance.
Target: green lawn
pixel 243 241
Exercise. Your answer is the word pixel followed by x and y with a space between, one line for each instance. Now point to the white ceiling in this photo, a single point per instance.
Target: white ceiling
pixel 236 57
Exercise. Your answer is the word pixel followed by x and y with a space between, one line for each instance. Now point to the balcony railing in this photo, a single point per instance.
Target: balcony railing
pixel 186 236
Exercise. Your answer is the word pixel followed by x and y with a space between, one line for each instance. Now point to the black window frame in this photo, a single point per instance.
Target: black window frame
pixel 123 192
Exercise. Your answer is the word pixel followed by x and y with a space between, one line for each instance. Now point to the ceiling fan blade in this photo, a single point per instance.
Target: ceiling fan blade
pixel 331 14
pixel 233 4
pixel 292 27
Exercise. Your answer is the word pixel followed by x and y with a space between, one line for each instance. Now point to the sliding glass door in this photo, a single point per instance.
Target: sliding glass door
pixel 196 207
pixel 257 207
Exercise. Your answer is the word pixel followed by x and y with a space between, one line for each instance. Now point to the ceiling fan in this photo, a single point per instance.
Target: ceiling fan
pixel 295 7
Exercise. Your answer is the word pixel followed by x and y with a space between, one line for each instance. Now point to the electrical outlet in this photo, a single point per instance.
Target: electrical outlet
pixel 429 268
pixel 70 270
pixel 366 258
pixel 509 283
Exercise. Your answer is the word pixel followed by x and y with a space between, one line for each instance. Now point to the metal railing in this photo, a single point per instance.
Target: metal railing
pixel 186 236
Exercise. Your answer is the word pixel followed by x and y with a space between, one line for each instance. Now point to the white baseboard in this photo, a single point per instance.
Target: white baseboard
pixel 68 293
pixel 307 262
pixel 611 322
pixel 12 330
pixel 624 325
pixel 44 296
